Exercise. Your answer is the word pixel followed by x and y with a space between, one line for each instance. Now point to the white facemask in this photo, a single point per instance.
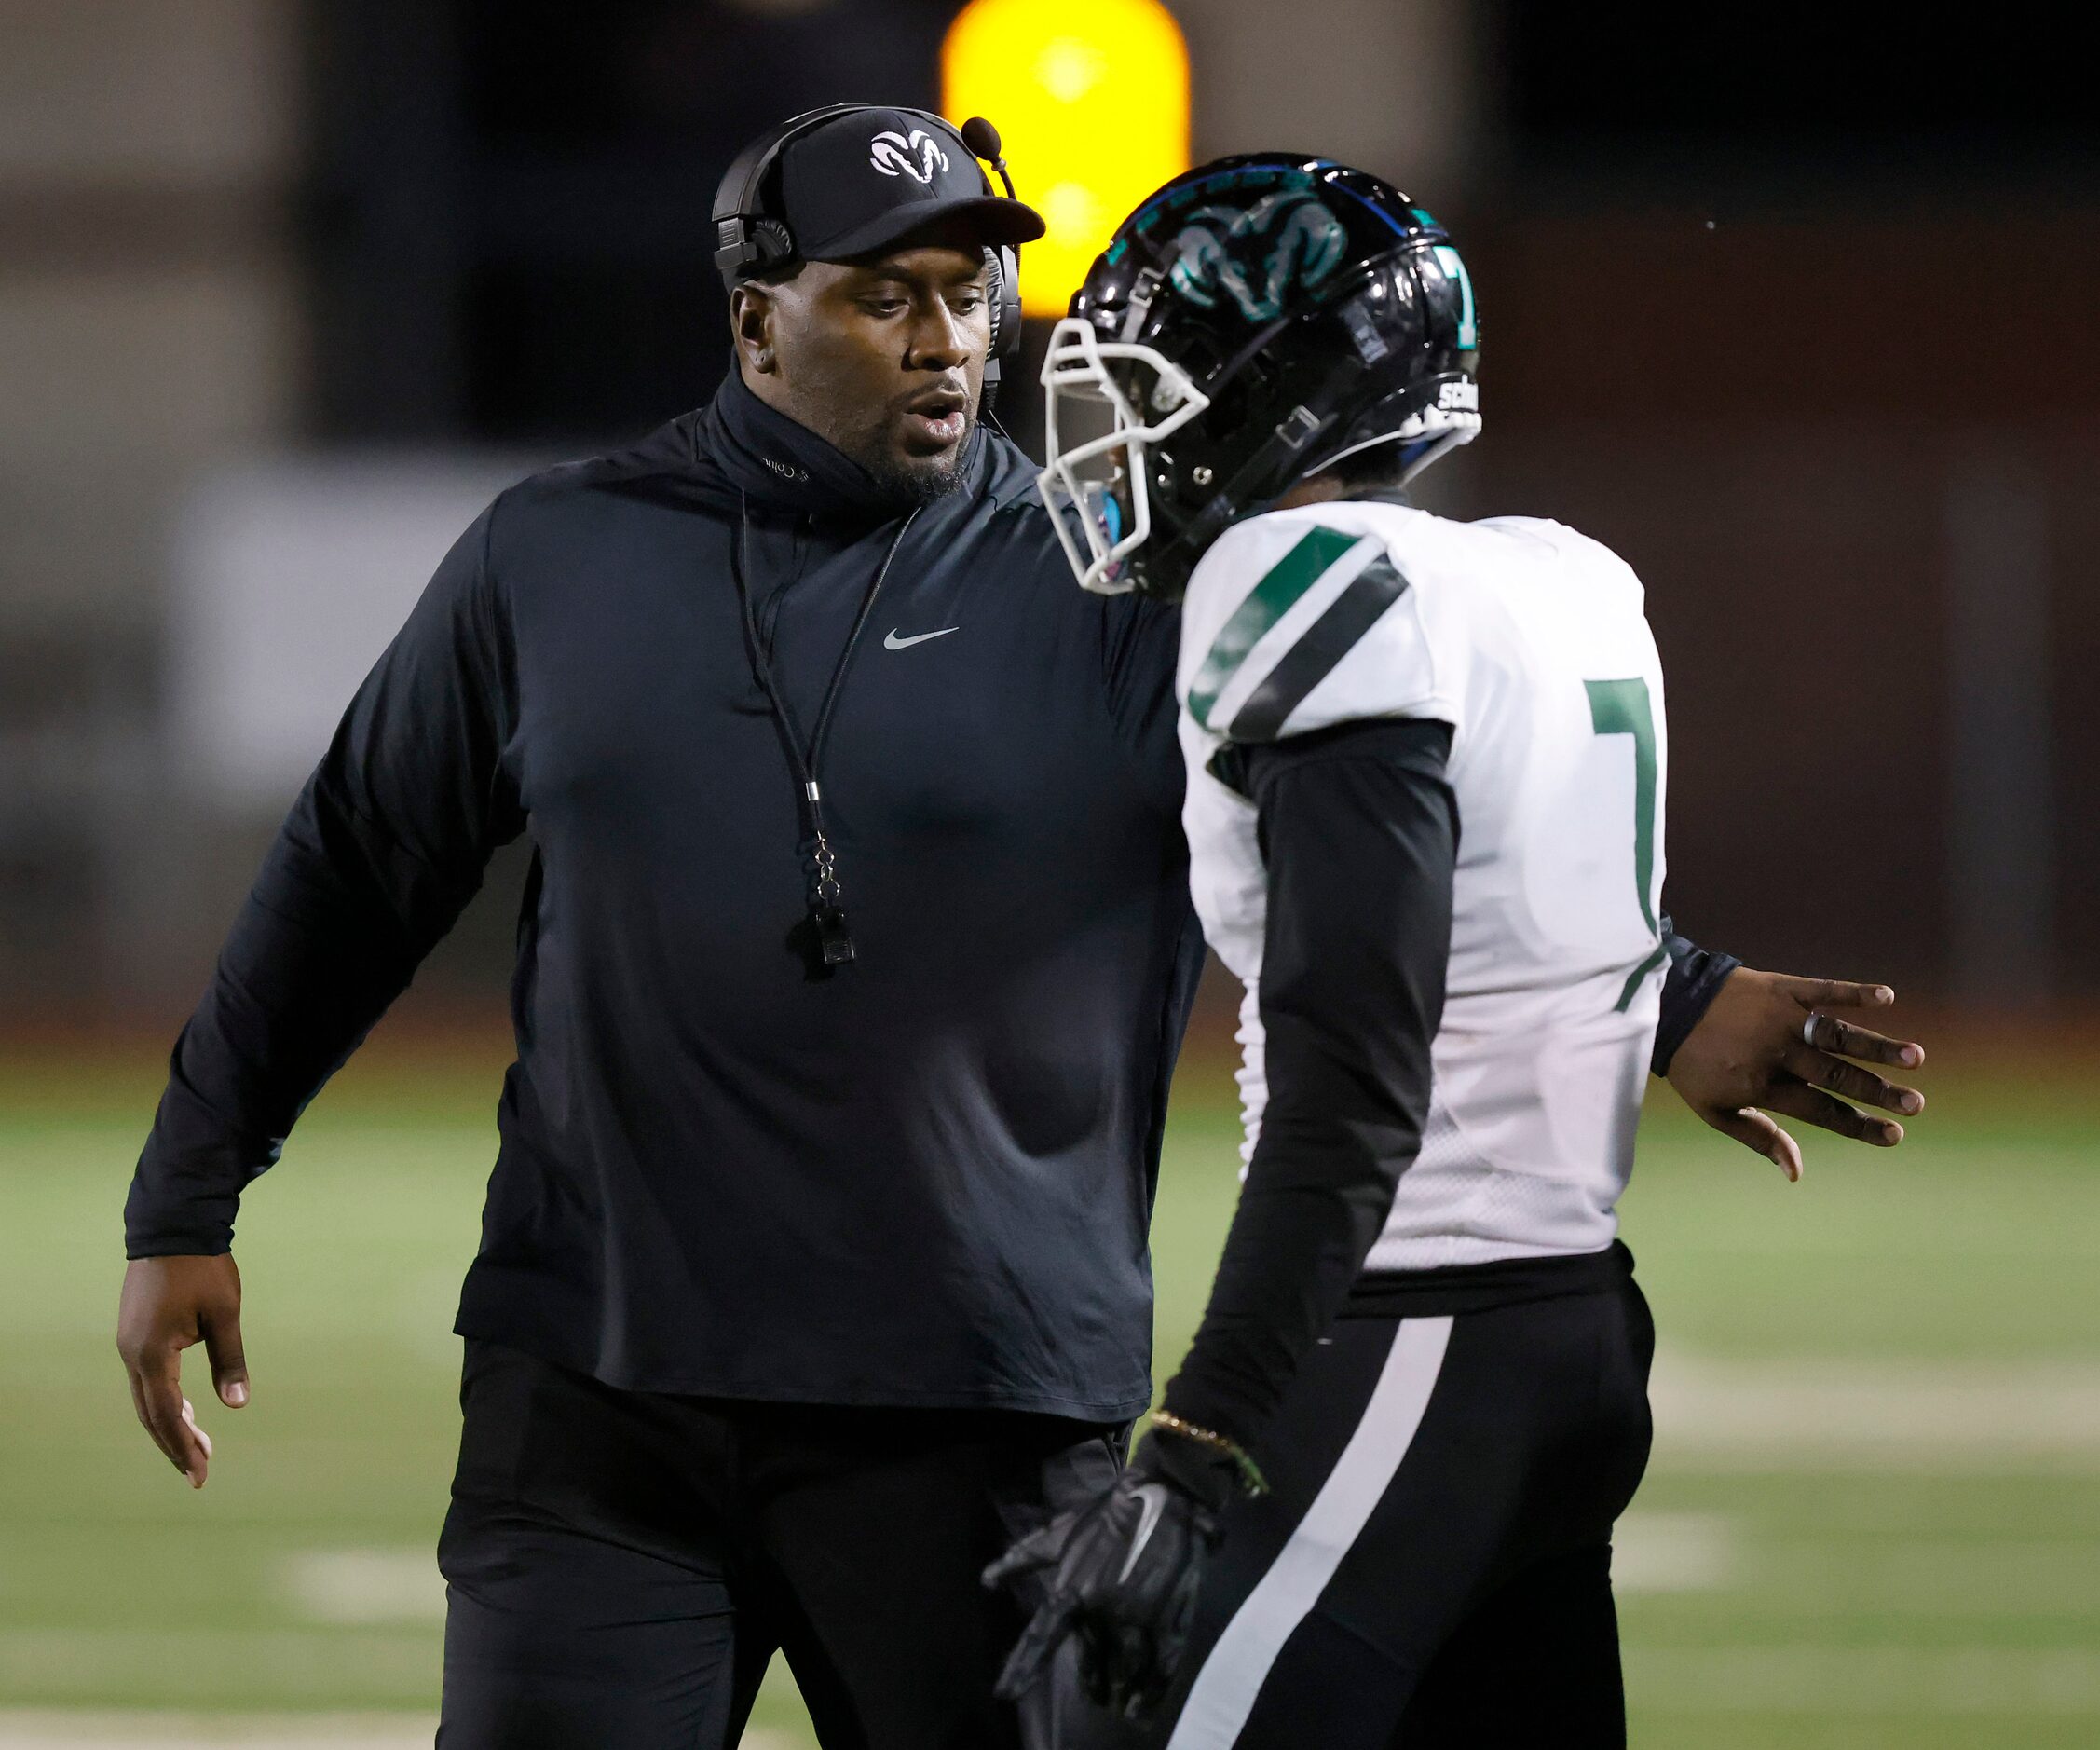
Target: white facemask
pixel 1098 483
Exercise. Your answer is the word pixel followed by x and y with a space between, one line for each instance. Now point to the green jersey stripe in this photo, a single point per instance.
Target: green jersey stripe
pixel 1285 581
pixel 1313 658
pixel 1625 996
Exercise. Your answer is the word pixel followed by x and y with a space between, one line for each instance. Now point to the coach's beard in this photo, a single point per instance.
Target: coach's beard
pixel 910 485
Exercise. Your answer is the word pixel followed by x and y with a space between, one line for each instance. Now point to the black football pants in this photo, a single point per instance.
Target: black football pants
pixel 1431 1569
pixel 621 1566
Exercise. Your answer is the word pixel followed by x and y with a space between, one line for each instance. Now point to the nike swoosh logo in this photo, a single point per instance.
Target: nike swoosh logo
pixel 1151 1503
pixel 894 643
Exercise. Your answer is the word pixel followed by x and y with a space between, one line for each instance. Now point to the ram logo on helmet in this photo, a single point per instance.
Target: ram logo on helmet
pixel 915 154
pixel 1258 253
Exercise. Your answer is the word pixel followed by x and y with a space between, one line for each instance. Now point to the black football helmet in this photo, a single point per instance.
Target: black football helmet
pixel 1253 322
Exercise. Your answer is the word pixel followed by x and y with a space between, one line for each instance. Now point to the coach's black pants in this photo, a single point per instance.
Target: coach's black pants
pixel 1432 1564
pixel 621 1566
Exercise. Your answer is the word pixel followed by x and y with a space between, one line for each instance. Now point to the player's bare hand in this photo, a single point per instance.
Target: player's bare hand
pixel 1772 1043
pixel 167 1304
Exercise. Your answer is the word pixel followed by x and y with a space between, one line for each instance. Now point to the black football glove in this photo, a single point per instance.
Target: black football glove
pixel 1123 1573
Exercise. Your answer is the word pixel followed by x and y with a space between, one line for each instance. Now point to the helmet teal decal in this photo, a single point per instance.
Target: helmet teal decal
pixel 1291 238
pixel 1468 324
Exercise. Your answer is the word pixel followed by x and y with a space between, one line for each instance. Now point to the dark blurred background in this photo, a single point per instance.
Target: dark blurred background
pixel 1792 304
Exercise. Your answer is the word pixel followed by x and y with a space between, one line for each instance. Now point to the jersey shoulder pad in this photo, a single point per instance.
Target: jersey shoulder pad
pixel 1569 549
pixel 1300 620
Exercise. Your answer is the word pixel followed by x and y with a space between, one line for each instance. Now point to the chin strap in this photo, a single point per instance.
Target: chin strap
pixel 1265 476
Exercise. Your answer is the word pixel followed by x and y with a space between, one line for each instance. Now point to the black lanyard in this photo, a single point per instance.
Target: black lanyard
pixel 827 916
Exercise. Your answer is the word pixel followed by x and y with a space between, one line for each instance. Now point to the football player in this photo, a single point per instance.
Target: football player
pixel 1427 765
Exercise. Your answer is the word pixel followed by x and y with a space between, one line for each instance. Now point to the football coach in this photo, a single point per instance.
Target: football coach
pixel 853 957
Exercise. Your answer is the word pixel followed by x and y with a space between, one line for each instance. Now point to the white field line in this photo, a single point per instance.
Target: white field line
pixel 1823 1682
pixel 1887 1577
pixel 362 1587
pixel 54 1730
pixel 23 1729
pixel 1671 1552
pixel 1922 1578
pixel 373 1586
pixel 78 1661
pixel 1801 1415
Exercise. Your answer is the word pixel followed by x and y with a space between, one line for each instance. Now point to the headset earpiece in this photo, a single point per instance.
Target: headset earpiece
pixel 1006 302
pixel 1002 294
pixel 746 236
pixel 774 242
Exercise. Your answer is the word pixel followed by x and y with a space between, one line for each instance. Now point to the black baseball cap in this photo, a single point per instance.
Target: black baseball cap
pixel 869 179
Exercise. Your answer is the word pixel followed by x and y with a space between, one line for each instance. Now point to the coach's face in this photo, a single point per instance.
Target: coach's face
pixel 882 357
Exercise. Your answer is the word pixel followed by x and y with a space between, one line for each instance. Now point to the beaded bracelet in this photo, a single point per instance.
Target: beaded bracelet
pixel 1250 1474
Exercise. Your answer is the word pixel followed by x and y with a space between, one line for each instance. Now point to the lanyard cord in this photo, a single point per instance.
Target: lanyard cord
pixel 826 914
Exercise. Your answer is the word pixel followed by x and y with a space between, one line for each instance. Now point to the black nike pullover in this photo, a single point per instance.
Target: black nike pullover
pixel 924 1179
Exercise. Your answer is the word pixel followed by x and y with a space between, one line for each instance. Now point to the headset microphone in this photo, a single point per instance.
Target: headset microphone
pixel 982 138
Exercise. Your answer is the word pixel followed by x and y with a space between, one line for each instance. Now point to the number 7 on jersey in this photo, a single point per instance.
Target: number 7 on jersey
pixel 1621 708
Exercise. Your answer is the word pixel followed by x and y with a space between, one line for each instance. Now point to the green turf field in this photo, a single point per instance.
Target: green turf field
pixel 1874 1517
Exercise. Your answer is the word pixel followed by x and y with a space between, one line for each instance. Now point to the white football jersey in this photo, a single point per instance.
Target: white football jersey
pixel 1530 641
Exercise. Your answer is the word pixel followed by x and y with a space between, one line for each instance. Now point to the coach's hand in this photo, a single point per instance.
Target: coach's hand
pixel 1770 1043
pixel 1122 1575
pixel 167 1304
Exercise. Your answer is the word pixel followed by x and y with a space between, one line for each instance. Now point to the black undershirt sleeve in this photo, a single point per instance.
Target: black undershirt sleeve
pixel 385 845
pixel 1359 832
pixel 1694 979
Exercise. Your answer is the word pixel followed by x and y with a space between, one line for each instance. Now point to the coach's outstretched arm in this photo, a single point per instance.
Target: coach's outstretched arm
pixel 386 844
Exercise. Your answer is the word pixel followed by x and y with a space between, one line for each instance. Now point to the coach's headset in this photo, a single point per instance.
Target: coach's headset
pixel 751 238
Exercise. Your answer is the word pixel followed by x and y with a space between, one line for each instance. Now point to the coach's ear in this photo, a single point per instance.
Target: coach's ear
pixel 751 315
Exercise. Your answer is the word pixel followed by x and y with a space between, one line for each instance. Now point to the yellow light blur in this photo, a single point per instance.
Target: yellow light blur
pixel 1091 99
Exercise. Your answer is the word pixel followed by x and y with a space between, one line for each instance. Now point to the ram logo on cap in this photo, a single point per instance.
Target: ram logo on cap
pixel 893 152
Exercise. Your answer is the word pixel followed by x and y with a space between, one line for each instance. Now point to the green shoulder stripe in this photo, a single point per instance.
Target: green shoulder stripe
pixel 1285 581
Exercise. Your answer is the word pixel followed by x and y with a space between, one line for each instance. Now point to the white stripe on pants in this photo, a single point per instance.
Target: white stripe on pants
pixel 1232 1677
